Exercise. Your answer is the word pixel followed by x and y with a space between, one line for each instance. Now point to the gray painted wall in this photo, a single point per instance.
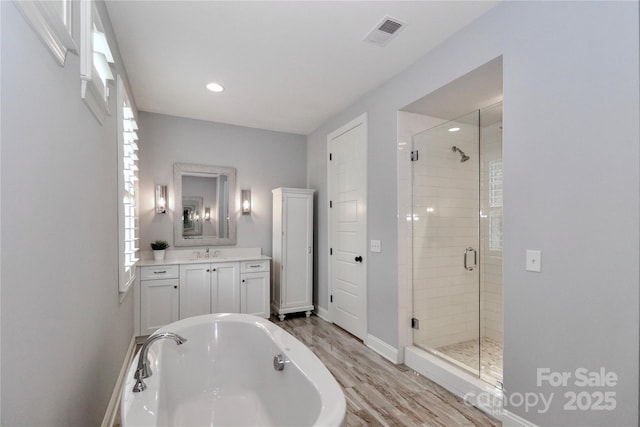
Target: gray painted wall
pixel 264 160
pixel 64 331
pixel 571 175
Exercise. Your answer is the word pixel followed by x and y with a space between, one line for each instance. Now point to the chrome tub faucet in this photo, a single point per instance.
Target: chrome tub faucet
pixel 144 370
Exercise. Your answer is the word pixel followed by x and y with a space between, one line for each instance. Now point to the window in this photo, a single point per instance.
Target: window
pixel 95 60
pixel 495 205
pixel 52 21
pixel 127 190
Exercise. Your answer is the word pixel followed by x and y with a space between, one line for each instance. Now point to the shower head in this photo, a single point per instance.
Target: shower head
pixel 463 156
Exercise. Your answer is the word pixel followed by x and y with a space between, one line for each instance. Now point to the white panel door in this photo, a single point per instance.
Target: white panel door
pixel 347 192
pixel 195 290
pixel 225 287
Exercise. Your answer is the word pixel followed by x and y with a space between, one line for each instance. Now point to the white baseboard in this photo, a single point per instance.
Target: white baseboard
pixel 509 419
pixel 323 313
pixel 112 409
pixel 382 348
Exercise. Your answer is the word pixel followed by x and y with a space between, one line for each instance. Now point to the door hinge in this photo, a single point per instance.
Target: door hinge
pixel 331 298
pixel 330 157
pixel 415 323
pixel 330 251
pixel 330 203
pixel 414 156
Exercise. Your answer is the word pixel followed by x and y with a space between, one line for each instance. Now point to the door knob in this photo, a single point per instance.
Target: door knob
pixel 358 258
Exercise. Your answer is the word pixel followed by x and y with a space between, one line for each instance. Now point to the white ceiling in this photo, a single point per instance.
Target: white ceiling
pixel 285 66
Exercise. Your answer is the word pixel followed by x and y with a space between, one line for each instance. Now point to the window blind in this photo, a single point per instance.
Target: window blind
pixel 128 190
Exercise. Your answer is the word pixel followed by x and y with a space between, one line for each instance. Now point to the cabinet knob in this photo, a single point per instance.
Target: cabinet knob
pixel 175 287
pixel 358 258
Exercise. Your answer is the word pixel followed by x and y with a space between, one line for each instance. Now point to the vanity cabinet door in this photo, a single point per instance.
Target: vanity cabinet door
pixel 254 294
pixel 225 292
pixel 158 304
pixel 195 290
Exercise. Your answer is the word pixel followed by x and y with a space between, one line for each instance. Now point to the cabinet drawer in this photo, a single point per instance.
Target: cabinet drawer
pixel 159 272
pixel 254 266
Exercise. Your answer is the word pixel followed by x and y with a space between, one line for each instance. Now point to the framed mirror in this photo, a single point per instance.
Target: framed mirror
pixel 205 200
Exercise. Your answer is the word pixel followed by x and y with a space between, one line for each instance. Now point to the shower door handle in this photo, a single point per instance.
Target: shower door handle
pixel 475 259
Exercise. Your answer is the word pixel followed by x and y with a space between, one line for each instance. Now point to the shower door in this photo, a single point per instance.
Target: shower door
pixel 451 240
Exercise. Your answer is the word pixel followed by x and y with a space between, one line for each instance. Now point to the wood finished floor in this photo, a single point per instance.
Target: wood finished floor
pixel 379 393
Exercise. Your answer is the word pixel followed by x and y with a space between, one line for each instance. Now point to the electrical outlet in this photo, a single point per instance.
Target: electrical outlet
pixel 375 246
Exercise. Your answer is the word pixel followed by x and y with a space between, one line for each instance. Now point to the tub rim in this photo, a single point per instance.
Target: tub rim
pixel 332 399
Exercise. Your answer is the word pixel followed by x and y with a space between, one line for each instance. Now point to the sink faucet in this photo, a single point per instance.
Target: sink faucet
pixel 144 370
pixel 207 253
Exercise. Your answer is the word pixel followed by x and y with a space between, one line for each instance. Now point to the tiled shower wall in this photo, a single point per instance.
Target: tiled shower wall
pixel 491 232
pixel 409 124
pixel 442 294
pixel 445 222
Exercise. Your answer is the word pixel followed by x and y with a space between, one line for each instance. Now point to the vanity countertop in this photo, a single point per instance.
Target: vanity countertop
pixel 203 260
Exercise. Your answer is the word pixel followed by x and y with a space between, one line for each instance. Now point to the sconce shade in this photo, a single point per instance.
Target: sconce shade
pixel 245 197
pixel 207 214
pixel 161 199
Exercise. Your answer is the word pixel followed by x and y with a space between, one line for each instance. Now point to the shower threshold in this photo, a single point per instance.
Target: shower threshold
pixel 460 382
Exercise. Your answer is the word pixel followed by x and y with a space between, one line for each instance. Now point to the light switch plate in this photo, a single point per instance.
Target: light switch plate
pixel 534 261
pixel 376 246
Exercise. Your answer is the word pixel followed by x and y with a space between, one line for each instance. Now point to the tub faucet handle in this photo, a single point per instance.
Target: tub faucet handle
pixel 140 385
pixel 144 369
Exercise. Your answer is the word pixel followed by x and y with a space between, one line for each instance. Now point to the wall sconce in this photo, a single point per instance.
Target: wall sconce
pixel 161 199
pixel 245 197
pixel 207 214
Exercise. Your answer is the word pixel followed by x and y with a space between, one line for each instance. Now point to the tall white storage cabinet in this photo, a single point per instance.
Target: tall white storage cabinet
pixel 292 284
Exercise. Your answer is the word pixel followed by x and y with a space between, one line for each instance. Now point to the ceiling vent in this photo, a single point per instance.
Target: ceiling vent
pixel 386 29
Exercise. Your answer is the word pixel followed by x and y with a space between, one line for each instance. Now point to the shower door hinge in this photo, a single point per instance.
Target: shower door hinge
pixel 414 156
pixel 415 323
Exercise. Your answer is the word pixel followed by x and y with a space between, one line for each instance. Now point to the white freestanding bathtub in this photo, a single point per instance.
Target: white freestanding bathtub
pixel 224 375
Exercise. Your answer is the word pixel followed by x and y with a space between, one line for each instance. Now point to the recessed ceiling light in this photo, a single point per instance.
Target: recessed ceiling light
pixel 215 87
pixel 454 129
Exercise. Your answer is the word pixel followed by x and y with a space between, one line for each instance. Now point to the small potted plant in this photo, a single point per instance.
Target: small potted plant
pixel 158 249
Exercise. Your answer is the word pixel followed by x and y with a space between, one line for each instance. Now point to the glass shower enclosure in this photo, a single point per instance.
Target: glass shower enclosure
pixel 457 242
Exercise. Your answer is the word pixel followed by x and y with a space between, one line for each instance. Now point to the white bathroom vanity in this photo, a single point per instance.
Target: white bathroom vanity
pixel 188 283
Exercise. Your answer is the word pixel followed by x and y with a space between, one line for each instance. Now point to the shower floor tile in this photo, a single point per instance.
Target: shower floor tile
pixel 466 352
